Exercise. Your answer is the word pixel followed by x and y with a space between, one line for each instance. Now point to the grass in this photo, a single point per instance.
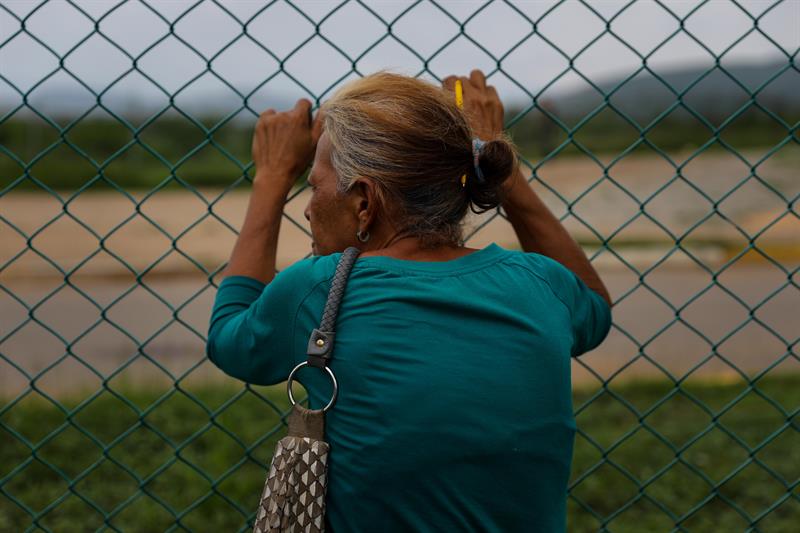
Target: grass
pixel 172 145
pixel 646 456
pixel 697 452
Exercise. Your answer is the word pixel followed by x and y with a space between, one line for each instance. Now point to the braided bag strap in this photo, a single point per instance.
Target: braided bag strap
pixel 293 498
pixel 338 285
pixel 320 343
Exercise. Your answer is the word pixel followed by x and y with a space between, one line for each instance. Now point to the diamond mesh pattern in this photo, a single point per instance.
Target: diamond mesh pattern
pixel 148 472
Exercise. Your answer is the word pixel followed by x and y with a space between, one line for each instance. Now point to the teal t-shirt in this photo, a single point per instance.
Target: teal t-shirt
pixel 455 407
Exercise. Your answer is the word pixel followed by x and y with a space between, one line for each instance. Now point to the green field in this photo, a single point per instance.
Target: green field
pixel 173 151
pixel 646 456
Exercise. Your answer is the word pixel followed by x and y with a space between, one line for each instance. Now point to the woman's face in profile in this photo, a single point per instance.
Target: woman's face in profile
pixel 333 224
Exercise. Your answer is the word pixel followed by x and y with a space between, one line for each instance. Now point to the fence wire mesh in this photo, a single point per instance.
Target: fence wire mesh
pixel 193 457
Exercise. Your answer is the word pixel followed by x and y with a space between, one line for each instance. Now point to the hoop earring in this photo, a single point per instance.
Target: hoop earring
pixel 362 238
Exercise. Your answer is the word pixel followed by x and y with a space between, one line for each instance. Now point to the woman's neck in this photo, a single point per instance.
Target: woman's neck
pixel 409 248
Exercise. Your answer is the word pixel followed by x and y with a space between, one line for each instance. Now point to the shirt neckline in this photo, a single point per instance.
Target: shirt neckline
pixel 482 257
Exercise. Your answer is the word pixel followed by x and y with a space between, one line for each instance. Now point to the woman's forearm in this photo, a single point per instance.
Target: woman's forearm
pixel 256 248
pixel 538 230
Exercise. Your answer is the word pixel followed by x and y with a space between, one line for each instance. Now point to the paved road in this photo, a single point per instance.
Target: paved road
pixel 173 344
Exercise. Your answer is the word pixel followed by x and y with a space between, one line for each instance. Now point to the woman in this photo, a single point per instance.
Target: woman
pixel 454 411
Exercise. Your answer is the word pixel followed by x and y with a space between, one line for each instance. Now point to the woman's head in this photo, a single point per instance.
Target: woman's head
pixel 390 161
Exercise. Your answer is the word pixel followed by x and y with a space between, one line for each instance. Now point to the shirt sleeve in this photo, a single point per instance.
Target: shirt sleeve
pixel 252 324
pixel 590 313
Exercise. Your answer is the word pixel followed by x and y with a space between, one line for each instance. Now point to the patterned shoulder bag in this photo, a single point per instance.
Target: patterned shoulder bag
pixel 294 493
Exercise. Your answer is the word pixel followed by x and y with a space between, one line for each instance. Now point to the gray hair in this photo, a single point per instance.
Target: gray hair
pixel 410 138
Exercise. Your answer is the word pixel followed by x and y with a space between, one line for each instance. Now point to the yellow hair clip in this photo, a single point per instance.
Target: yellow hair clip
pixel 460 104
pixel 459 94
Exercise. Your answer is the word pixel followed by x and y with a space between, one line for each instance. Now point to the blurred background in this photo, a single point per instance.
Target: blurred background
pixel 663 134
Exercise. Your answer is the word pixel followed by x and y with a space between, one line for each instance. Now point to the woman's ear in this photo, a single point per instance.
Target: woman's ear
pixel 366 200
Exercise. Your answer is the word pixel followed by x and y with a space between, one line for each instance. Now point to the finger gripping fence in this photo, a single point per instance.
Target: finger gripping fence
pixel 671 454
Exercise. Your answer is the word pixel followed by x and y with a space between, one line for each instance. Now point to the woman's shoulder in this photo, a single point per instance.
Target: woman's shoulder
pixel 317 268
pixel 309 270
pixel 535 263
pixel 561 280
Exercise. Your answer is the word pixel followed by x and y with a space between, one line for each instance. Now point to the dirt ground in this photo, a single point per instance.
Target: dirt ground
pixel 174 239
pixel 183 232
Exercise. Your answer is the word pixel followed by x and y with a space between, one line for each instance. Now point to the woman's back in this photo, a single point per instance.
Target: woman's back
pixel 454 408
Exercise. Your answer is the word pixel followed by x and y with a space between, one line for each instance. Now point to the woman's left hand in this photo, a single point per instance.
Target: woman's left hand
pixel 284 145
pixel 482 105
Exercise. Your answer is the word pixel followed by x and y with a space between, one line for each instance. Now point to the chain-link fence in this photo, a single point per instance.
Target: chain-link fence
pixel 687 207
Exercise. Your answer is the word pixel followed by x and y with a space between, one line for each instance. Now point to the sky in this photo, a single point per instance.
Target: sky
pixel 208 34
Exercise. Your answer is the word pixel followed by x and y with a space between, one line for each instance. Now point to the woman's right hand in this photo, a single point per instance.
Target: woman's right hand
pixel 482 106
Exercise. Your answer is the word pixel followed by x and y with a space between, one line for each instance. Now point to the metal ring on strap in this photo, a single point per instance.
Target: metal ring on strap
pixel 330 374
